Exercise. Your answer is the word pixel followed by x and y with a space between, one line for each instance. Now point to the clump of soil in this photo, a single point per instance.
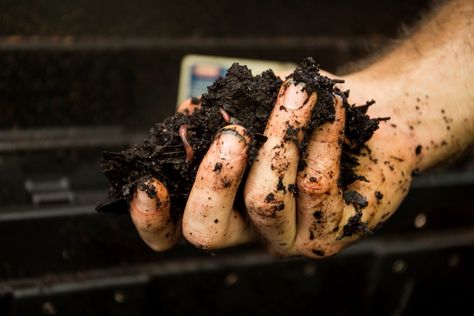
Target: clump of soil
pixel 248 100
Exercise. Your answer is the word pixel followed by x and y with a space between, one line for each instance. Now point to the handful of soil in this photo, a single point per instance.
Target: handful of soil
pixel 238 98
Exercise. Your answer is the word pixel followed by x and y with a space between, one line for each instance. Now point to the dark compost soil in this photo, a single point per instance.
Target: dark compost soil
pixel 249 101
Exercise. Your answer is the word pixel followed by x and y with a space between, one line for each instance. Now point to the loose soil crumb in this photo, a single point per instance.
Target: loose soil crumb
pixel 418 149
pixel 217 167
pixel 280 185
pixel 355 226
pixel 248 100
pixel 270 198
pixel 318 215
pixel 378 195
pixel 292 188
pixel 355 198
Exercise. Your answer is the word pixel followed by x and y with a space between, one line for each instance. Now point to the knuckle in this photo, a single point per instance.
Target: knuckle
pixel 263 205
pixel 266 210
pixel 315 183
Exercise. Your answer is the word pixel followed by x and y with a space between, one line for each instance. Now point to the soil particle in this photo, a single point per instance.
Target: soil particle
pixel 378 195
pixel 292 188
pixel 292 134
pixel 360 127
pixel 390 166
pixel 270 198
pixel 418 149
pixel 226 183
pixel 355 198
pixel 217 167
pixel 279 207
pixel 397 158
pixel 247 99
pixel 354 226
pixel 280 185
pixel 318 214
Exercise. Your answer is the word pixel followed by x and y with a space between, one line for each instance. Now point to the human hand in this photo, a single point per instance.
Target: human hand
pixel 322 217
pixel 315 222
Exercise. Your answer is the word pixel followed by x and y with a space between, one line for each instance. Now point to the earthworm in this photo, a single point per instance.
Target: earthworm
pixel 188 149
pixel 225 115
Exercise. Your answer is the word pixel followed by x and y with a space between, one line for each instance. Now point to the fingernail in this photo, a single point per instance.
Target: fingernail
pixel 230 144
pixel 294 96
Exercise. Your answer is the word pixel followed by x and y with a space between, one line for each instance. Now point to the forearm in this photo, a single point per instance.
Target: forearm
pixel 426 85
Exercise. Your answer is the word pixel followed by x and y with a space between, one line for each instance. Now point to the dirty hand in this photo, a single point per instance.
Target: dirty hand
pixel 298 212
pixel 305 212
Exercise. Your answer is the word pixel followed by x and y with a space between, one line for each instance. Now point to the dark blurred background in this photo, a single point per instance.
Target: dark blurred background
pixel 78 77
